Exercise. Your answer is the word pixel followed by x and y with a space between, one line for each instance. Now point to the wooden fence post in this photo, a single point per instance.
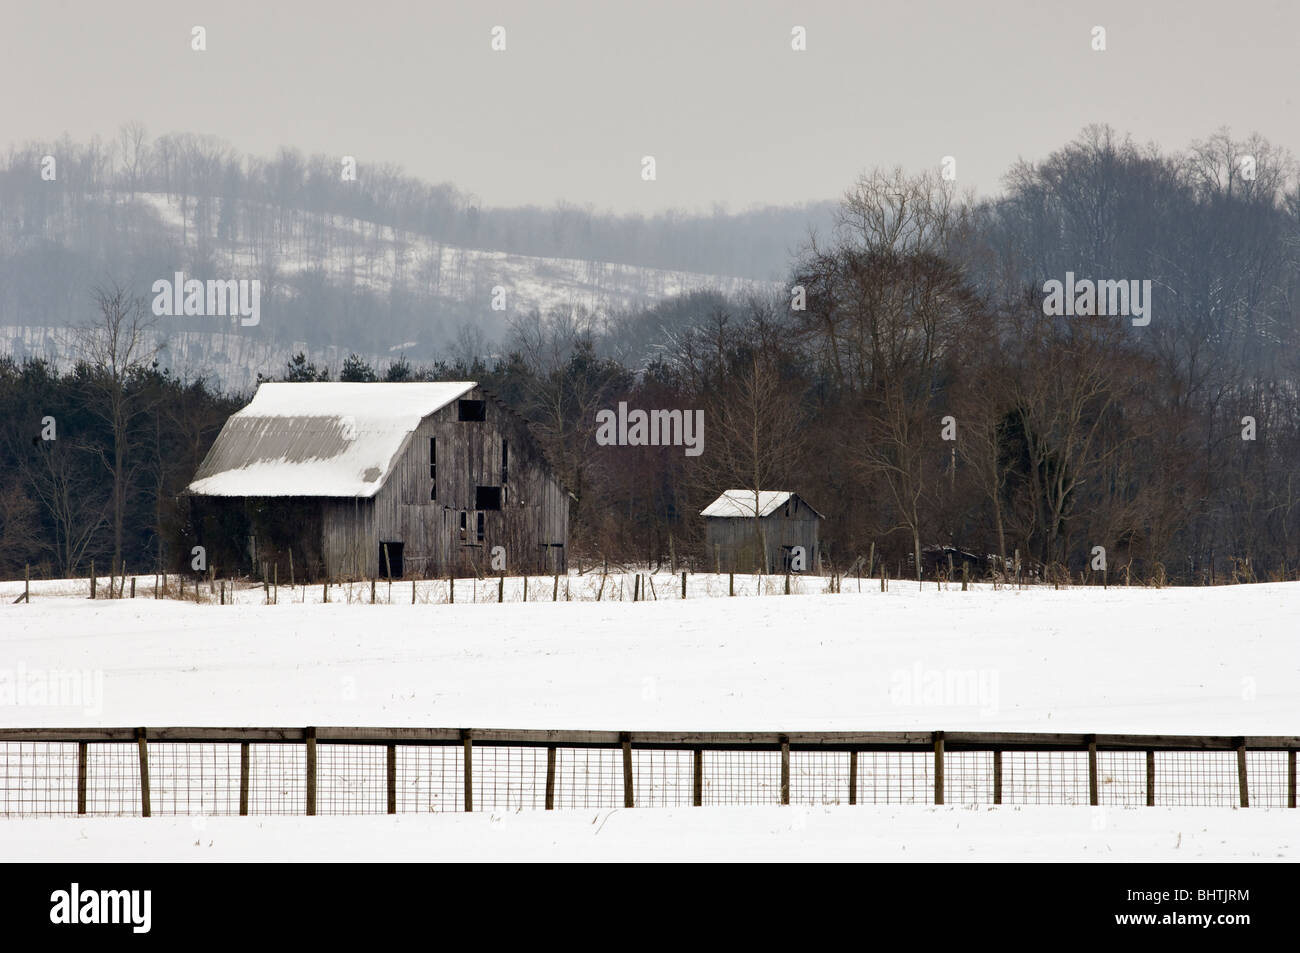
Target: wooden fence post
pixel 1151 779
pixel 1241 772
pixel 392 779
pixel 731 584
pixel 938 767
pixel 412 592
pixel 785 769
pixel 787 584
pixel 698 799
pixel 626 741
pixel 501 589
pixel 451 590
pixel 27 584
pixel 468 742
pixel 1092 770
pixel 143 744
pixel 243 778
pixel 525 586
pixel 310 736
pixel 683 583
pixel 997 777
pixel 555 592
pixel 853 772
pixel 92 579
pixel 550 777
pixel 81 776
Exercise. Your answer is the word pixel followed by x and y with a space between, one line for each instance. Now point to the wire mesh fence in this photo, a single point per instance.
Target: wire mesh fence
pixel 216 771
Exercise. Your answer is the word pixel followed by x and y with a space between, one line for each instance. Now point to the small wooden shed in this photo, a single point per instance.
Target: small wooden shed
pixel 749 531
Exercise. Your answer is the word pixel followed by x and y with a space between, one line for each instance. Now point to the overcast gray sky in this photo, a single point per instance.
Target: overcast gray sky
pixel 711 89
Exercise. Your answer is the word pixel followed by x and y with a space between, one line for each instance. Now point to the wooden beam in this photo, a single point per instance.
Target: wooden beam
pixel 997 777
pixel 1241 772
pixel 1092 771
pixel 1151 779
pixel 1290 778
pixel 853 777
pixel 243 778
pixel 142 744
pixel 81 777
pixel 309 736
pixel 392 779
pixel 550 778
pixel 698 785
pixel 627 770
pixel 785 769
pixel 938 767
pixel 468 742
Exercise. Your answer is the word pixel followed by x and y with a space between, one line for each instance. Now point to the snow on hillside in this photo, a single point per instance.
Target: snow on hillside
pixel 1205 661
pixel 378 257
pixel 353 254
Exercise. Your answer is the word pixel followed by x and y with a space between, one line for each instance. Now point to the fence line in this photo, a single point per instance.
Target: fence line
pixel 208 770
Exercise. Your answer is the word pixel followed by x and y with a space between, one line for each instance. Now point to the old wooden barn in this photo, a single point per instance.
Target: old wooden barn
pixel 358 480
pixel 748 531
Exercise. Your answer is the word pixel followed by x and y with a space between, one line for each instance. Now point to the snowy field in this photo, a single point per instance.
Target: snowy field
pixel 679 834
pixel 1223 661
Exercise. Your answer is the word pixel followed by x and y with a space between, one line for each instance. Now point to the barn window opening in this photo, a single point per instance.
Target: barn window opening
pixel 480 527
pixel 464 527
pixel 505 462
pixel 433 468
pixel 390 559
pixel 472 410
pixel 487 498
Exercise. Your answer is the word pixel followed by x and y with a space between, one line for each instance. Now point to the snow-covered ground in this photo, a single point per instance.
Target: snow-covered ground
pixel 1222 661
pixel 871 833
pixel 1201 661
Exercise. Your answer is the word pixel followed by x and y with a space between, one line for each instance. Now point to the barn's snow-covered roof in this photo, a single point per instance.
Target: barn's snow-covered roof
pixel 318 439
pixel 742 503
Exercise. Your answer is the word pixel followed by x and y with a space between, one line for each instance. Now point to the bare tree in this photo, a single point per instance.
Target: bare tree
pixel 116 349
pixel 132 142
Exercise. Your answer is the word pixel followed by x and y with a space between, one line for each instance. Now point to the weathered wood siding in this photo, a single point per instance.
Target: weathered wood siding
pixel 734 542
pixel 533 519
pixel 349 541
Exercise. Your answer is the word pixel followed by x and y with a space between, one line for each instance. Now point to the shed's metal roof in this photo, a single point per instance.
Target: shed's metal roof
pixel 741 503
pixel 318 439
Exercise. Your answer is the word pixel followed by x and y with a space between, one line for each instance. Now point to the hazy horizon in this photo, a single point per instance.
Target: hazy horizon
pixel 733 116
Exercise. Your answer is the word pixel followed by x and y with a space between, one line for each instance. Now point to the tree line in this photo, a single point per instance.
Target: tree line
pixel 906 382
